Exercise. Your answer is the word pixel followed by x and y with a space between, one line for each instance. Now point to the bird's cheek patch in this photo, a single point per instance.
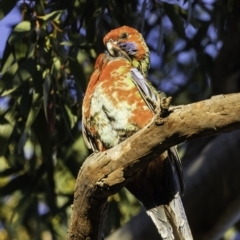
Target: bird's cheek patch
pixel 129 47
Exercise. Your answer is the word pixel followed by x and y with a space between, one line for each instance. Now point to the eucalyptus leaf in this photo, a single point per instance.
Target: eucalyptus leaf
pixel 72 118
pixel 34 110
pixel 65 115
pixel 52 16
pixel 46 89
pixel 66 43
pixel 7 124
pixel 7 63
pixel 56 67
pixel 19 31
pixel 23 73
pixel 7 77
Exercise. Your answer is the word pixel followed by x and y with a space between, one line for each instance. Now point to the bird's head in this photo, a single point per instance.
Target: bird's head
pixel 130 41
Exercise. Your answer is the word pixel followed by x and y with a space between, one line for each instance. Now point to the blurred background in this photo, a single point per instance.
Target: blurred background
pixel 47 52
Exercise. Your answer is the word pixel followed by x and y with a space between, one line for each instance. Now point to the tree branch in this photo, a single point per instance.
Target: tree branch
pixel 212 189
pixel 104 174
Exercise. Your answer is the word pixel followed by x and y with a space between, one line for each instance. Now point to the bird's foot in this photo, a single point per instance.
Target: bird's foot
pixel 162 108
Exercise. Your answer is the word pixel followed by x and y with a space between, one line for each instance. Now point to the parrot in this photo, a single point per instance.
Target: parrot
pixel 118 102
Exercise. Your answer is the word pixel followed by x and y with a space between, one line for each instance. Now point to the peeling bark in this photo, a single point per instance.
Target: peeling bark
pixel 104 174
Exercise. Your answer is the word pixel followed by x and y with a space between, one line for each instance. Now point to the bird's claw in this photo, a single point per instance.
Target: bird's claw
pixel 164 105
pixel 162 108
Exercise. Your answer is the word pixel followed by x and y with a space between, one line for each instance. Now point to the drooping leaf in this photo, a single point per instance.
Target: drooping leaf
pixel 66 43
pixel 22 142
pixel 6 79
pixel 19 31
pixel 20 50
pixel 71 117
pixel 31 50
pixel 6 129
pixel 46 89
pixel 23 73
pixel 39 7
pixel 56 68
pixel 7 123
pixel 7 63
pixel 65 116
pixel 34 110
pixel 52 16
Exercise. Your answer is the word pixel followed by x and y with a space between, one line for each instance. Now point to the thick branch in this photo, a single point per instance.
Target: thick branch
pixel 103 174
pixel 211 199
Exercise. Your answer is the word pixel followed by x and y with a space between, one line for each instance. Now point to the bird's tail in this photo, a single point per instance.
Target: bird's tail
pixel 171 220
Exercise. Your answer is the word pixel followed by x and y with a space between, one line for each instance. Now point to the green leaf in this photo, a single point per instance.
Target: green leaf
pixel 39 7
pixel 6 129
pixel 66 43
pixel 8 76
pixel 24 72
pixel 19 31
pixel 6 6
pixel 23 26
pixel 20 50
pixel 67 116
pixel 7 124
pixel 72 118
pixel 7 63
pixel 31 50
pixel 52 16
pixel 56 68
pixel 22 142
pixel 46 89
pixel 35 107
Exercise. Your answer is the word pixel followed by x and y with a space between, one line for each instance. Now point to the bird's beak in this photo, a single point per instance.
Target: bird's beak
pixel 111 46
pixel 115 51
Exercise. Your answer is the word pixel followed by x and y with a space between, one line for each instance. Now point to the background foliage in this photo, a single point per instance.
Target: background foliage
pixel 46 63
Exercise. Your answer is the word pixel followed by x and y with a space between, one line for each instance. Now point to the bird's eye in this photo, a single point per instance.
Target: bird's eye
pixel 124 36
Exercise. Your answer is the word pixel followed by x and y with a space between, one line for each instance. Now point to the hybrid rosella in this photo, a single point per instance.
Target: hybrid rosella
pixel 119 101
